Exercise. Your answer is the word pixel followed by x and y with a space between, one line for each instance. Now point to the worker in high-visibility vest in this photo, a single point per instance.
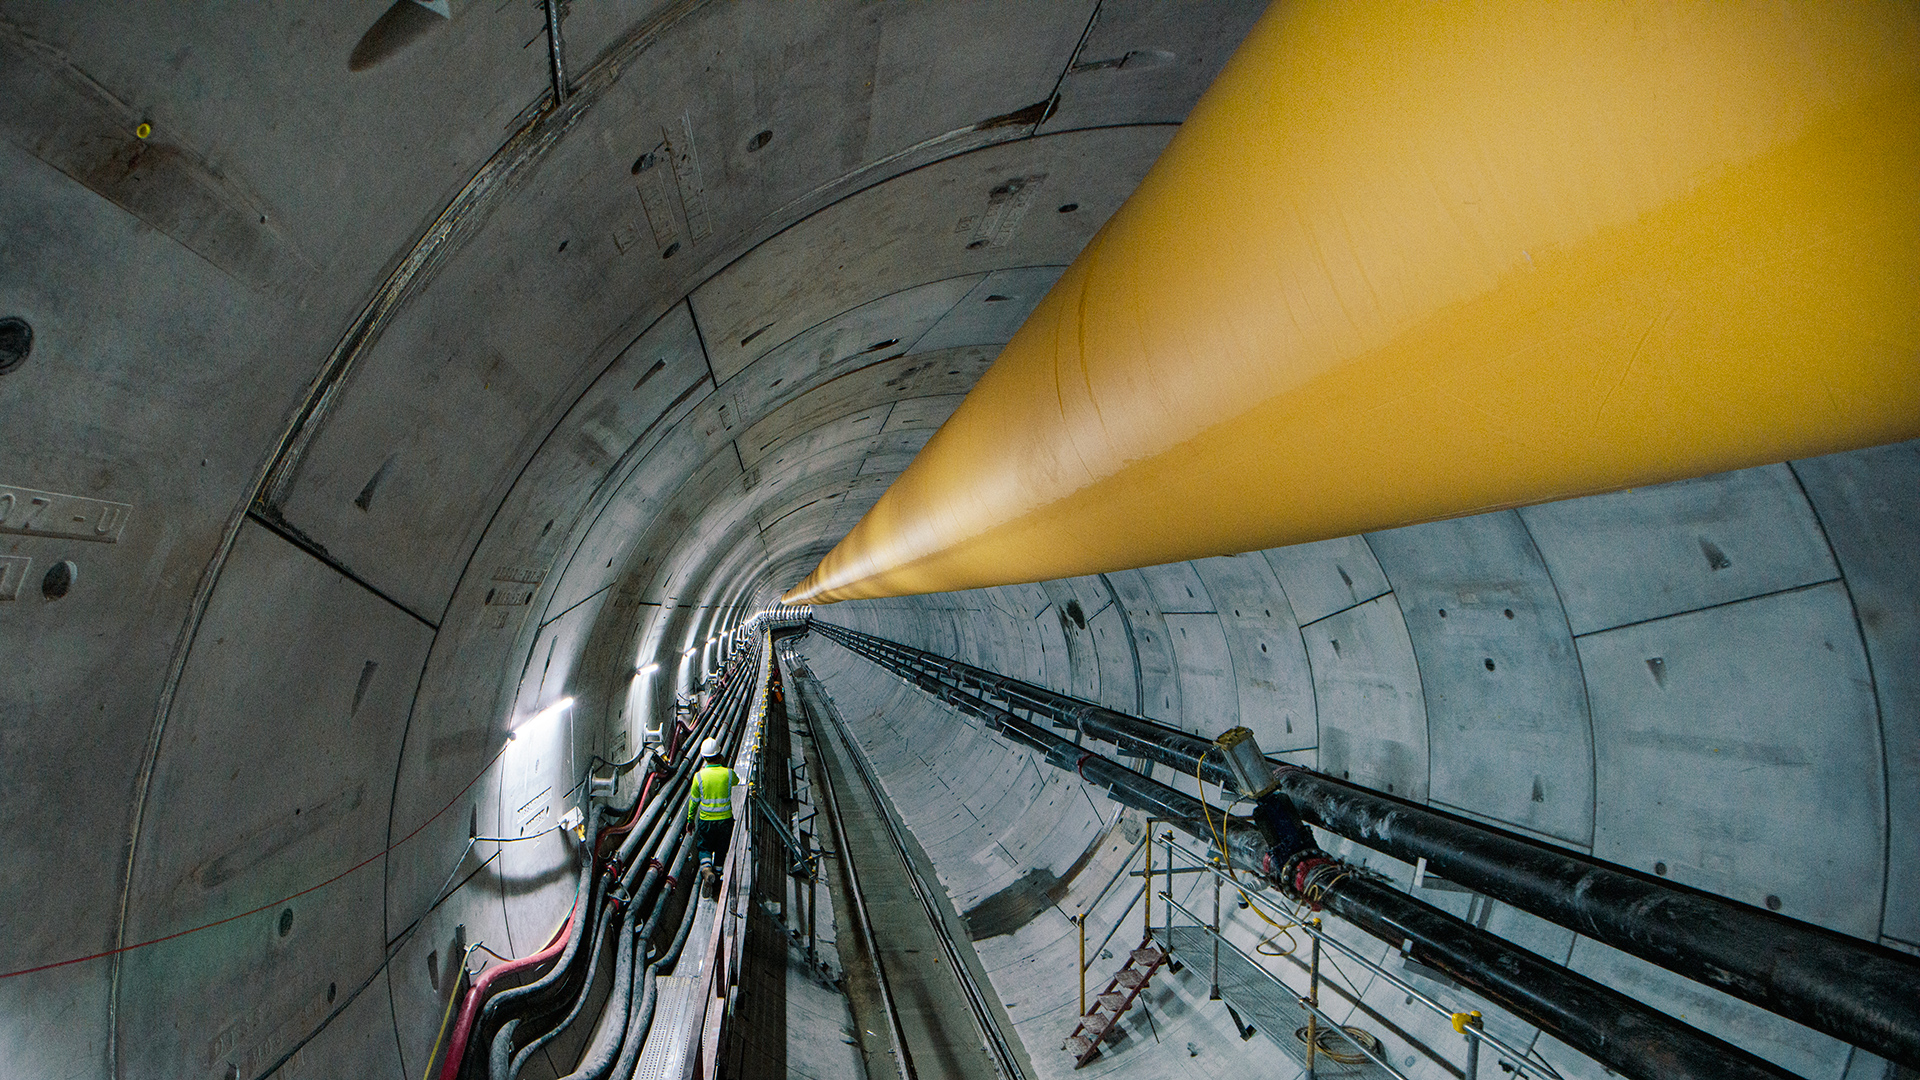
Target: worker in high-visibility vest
pixel 710 809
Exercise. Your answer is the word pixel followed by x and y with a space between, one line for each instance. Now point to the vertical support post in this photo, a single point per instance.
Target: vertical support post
pixel 1313 998
pixel 1080 920
pixel 1468 1025
pixel 1146 888
pixel 1214 994
pixel 557 59
pixel 1167 943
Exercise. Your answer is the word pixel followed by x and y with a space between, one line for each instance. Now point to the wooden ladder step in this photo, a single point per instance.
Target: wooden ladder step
pixel 1131 979
pixel 1147 956
pixel 1115 1001
pixel 1079 1045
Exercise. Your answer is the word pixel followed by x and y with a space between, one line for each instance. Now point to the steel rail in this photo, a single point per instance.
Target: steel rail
pixel 863 920
pixel 1855 990
pixel 992 1038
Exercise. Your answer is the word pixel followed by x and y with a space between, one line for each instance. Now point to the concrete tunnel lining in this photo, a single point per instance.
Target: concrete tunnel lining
pixel 550 511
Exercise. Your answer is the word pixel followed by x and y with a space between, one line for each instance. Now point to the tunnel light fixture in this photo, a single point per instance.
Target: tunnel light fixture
pixel 647 669
pixel 542 716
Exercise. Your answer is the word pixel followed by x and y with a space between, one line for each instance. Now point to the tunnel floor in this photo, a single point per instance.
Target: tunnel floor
pixel 934 1017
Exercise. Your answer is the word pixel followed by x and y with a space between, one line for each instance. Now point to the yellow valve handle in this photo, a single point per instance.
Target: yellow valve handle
pixel 1462 1021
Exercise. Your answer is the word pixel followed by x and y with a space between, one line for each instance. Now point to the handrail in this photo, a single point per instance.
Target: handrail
pixel 1517 1058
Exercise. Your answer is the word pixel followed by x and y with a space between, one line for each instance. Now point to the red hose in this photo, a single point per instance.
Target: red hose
pixel 639 804
pixel 477 996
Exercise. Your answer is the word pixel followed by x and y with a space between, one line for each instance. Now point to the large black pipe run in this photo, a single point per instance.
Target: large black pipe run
pixel 1603 1024
pixel 1854 990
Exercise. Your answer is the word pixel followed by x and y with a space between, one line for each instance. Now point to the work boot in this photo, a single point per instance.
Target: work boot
pixel 709 881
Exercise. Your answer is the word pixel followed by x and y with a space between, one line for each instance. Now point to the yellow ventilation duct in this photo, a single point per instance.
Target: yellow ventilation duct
pixel 1412 261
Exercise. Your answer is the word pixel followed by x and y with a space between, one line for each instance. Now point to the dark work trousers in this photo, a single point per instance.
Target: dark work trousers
pixel 712 838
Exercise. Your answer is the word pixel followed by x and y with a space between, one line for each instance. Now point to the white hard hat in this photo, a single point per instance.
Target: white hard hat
pixel 710 748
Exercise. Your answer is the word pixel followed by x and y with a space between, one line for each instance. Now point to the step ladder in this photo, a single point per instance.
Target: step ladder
pixel 1113 1002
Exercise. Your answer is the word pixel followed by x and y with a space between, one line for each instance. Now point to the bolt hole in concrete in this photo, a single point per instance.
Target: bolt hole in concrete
pixel 1443 613
pixel 1489 663
pixel 672 250
pixel 286 922
pixel 1509 613
pixel 976 245
pixel 1773 903
pixel 332 989
pixel 1660 868
pixel 59 580
pixel 758 141
pixel 562 247
pixel 1068 208
pixel 16 341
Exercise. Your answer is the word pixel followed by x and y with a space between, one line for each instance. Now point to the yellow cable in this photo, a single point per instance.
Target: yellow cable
pixel 451 998
pixel 1220 844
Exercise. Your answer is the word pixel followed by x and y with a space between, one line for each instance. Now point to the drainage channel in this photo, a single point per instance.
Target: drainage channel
pixel 921 1011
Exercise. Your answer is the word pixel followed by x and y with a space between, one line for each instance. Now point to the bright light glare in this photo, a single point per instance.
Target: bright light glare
pixel 648 669
pixel 543 715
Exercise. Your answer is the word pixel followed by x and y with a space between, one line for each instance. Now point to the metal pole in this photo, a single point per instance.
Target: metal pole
pixel 1468 1025
pixel 1080 920
pixel 1167 942
pixel 1313 998
pixel 556 54
pixel 813 898
pixel 1146 928
pixel 1214 994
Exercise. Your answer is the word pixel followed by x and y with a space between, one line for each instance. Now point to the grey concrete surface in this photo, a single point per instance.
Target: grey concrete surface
pixel 403 406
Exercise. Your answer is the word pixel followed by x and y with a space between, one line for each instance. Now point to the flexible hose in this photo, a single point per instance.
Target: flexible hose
pixel 504 1039
pixel 473 1035
pixel 651 830
pixel 600 1055
pixel 640 1020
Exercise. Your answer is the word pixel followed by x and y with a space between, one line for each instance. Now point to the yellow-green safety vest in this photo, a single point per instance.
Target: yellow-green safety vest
pixel 712 797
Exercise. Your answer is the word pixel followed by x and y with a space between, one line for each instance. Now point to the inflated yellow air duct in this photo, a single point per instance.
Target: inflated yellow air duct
pixel 1418 260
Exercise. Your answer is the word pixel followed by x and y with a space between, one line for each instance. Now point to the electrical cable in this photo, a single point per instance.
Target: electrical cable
pixel 1220 845
pixel 1327 1040
pixel 447 1017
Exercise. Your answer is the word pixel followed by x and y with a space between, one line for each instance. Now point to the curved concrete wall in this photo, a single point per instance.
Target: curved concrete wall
pixel 410 407
pixel 414 405
pixel 1706 680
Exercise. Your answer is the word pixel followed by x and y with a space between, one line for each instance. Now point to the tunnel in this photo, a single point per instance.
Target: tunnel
pixel 412 411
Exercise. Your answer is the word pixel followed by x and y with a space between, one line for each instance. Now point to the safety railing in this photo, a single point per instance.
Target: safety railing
pixel 1467 1024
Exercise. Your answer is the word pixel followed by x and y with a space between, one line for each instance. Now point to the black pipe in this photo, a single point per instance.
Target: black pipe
pixel 1856 991
pixel 1613 1029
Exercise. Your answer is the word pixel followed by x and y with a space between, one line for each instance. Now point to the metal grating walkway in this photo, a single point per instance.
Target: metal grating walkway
pixel 670 1041
pixel 1258 997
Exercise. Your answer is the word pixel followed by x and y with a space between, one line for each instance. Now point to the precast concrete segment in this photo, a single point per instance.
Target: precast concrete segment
pixel 1854 990
pixel 1613 1029
pixel 1403 264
